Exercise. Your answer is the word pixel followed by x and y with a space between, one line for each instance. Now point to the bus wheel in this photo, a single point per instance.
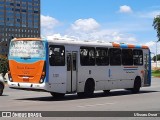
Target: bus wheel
pixel 80 94
pixel 106 92
pixel 137 85
pixel 89 88
pixel 57 95
pixel 1 89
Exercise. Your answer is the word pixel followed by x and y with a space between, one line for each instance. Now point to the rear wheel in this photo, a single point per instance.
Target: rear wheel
pixel 137 85
pixel 89 88
pixel 80 94
pixel 57 95
pixel 1 89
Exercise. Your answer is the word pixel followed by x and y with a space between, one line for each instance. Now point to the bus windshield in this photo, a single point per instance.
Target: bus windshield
pixel 27 49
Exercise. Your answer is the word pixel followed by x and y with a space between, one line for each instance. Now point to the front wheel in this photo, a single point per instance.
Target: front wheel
pixel 89 88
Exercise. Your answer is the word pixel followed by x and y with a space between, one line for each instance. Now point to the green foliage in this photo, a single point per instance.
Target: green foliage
pixel 156 73
pixel 3 66
pixel 158 58
pixel 156 25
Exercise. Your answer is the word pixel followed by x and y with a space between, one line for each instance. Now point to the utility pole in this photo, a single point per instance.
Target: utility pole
pixel 156 52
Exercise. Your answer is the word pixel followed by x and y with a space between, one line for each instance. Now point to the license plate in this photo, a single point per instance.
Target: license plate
pixel 25 79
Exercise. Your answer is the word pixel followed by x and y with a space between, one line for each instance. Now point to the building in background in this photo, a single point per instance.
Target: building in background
pixel 18 18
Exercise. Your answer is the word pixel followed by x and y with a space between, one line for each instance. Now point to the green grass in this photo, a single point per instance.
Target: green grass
pixel 156 73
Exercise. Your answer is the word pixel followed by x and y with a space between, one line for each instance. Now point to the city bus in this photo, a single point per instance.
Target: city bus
pixel 68 66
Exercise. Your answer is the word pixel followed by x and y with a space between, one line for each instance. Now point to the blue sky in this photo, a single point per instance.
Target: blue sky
pixel 128 21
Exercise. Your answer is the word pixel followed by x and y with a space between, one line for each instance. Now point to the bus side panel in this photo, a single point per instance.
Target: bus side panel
pixel 101 75
pixel 122 77
pixel 107 77
pixel 57 79
pixel 84 73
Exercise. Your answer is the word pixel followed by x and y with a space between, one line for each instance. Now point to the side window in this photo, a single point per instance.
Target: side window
pixel 102 56
pixel 127 57
pixel 115 56
pixel 56 55
pixel 87 56
pixel 137 57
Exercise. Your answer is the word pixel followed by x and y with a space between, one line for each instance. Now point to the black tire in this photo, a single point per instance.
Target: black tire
pixel 1 89
pixel 89 88
pixel 80 94
pixel 137 85
pixel 128 89
pixel 57 95
pixel 106 92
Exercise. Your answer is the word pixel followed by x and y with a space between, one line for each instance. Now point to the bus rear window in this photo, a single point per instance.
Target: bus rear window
pixel 27 49
pixel 138 57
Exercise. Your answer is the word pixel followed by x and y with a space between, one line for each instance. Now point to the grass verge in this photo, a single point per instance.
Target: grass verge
pixel 156 73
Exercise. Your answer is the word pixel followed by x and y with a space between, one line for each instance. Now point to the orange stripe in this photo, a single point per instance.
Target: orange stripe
pixel 131 46
pixel 116 45
pixel 145 47
pixel 131 67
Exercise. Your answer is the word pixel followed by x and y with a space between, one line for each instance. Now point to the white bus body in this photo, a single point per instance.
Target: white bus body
pixel 83 70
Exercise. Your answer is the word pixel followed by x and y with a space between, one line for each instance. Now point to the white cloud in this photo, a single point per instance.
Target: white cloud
pixel 153 46
pixel 150 43
pixel 150 14
pixel 60 37
pixel 84 29
pixel 48 24
pixel 89 29
pixel 125 9
pixel 86 25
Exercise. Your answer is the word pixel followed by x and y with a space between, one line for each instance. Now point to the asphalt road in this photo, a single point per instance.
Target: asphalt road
pixel 118 100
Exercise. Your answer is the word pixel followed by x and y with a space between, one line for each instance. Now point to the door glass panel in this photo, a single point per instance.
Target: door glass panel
pixel 69 61
pixel 74 61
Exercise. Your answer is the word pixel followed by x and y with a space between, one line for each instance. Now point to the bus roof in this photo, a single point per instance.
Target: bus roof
pixel 97 43
pixel 86 43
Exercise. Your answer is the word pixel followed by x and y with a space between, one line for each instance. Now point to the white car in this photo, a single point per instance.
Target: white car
pixel 2 85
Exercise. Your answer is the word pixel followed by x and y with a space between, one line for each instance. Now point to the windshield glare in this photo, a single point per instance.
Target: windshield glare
pixel 27 49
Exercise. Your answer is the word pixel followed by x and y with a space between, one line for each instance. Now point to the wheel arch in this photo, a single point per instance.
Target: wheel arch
pixel 90 80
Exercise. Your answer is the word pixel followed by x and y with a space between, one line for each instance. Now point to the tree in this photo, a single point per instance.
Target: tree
pixel 3 66
pixel 156 25
pixel 158 58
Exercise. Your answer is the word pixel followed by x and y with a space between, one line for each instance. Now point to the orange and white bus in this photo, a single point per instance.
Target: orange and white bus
pixel 62 66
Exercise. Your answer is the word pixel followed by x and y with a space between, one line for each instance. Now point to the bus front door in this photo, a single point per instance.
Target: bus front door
pixel 71 72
